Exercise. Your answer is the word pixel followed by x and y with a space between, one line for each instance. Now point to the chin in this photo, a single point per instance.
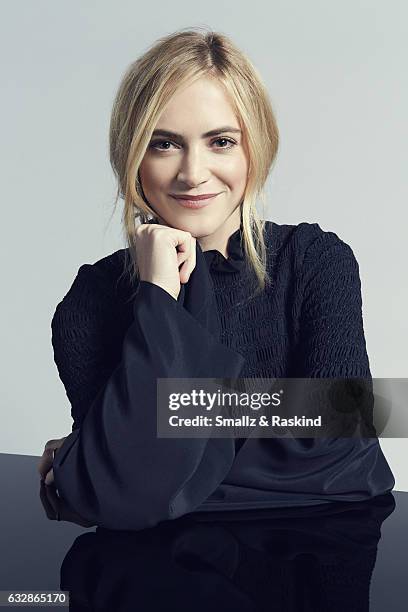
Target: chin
pixel 199 226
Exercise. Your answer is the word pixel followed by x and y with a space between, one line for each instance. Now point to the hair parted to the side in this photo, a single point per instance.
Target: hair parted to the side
pixel 148 84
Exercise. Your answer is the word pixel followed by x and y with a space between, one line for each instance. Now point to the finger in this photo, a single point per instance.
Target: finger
pixel 53 500
pixel 184 251
pixel 49 479
pixel 49 510
pixel 184 244
pixel 182 258
pixel 49 500
pixel 187 244
pixel 188 266
pixel 51 444
pixel 45 462
pixel 48 455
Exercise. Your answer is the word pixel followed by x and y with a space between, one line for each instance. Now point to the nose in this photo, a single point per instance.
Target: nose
pixel 192 169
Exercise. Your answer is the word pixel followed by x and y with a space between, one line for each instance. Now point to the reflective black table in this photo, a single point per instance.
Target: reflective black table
pixel 340 557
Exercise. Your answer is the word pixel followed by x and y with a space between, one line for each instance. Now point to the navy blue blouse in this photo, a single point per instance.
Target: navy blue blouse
pixel 112 343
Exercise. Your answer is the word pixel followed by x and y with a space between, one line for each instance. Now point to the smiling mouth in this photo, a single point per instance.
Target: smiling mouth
pixel 188 196
pixel 195 202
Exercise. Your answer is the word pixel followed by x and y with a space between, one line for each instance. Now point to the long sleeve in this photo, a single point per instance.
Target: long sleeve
pixel 332 345
pixel 113 469
pixel 332 342
pixel 83 339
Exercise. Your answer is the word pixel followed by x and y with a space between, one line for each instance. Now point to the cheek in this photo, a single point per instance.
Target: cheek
pixel 152 175
pixel 236 173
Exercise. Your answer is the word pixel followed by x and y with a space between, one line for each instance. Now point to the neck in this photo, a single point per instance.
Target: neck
pixel 219 239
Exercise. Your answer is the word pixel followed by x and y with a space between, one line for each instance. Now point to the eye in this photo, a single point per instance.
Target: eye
pixel 153 145
pixel 229 140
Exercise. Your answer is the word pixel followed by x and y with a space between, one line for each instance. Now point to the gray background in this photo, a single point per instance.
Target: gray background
pixel 337 76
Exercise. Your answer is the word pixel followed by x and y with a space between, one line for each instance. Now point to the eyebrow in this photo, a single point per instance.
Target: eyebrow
pixel 221 130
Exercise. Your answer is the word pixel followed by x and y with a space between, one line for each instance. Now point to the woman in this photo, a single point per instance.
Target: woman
pixel 211 291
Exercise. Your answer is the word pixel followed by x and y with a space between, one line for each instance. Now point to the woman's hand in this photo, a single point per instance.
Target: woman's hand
pixel 57 509
pixel 166 256
pixel 45 463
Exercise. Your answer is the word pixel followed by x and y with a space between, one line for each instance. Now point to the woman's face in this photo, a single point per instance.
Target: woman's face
pixel 187 161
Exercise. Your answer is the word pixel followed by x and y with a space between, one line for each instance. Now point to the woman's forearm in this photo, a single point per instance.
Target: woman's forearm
pixel 114 470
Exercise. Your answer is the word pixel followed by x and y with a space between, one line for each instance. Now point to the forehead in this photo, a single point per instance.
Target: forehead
pixel 198 107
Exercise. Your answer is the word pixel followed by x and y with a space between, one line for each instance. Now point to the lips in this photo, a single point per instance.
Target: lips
pixel 192 198
pixel 195 201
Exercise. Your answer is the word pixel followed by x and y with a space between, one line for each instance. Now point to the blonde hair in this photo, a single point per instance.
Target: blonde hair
pixel 148 85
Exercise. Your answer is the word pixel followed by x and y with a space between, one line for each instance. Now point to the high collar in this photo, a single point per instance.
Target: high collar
pixel 235 259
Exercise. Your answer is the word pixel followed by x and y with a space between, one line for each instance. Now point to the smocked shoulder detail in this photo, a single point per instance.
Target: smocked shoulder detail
pixel 83 338
pixel 329 302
